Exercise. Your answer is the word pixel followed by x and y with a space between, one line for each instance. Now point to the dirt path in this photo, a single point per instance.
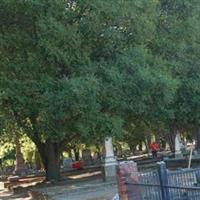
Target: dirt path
pixel 5 195
pixel 99 194
pixel 10 196
pixel 81 186
pixel 103 193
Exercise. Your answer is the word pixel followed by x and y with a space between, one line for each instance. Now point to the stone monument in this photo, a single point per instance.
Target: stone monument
pixel 178 146
pixel 67 163
pixel 87 157
pixel 110 161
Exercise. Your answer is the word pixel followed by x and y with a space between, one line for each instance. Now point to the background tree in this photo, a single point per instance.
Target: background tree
pixel 177 43
pixel 86 69
pixel 57 65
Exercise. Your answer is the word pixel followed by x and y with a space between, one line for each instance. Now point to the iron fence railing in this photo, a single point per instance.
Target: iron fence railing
pixel 144 191
pixel 186 177
pixel 149 177
pixel 163 184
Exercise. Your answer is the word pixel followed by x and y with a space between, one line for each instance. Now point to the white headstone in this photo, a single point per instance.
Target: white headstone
pixel 178 145
pixel 109 158
pixel 110 161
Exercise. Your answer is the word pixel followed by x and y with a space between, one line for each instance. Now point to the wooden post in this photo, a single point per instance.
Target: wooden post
pixel 190 158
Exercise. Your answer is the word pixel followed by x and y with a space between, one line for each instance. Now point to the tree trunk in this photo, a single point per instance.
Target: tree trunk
pixel 140 146
pixel 163 144
pixel 148 139
pixel 38 163
pixel 98 152
pixel 198 140
pixel 171 140
pixel 132 148
pixel 70 153
pixel 76 153
pixel 147 146
pixel 50 155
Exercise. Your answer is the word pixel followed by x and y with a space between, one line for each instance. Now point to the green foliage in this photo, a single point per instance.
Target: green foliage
pixel 178 44
pixel 7 153
pixel 28 149
pixel 65 70
pixel 87 69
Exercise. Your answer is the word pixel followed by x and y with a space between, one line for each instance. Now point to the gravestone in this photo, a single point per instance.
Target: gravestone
pixel 178 146
pixel 87 157
pixel 13 178
pixel 110 161
pixel 67 162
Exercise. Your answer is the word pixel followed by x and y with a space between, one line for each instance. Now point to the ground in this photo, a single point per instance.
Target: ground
pixel 78 186
pixel 6 195
pixel 105 193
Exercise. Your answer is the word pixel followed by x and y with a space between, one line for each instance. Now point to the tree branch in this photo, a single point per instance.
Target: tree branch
pixel 62 144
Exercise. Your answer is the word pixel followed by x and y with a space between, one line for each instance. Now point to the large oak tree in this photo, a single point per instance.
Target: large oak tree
pixel 80 69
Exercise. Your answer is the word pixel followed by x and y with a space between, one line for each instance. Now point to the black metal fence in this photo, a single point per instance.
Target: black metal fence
pixel 157 192
pixel 162 184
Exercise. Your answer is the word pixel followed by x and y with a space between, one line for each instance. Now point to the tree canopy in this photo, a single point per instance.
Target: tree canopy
pixel 89 68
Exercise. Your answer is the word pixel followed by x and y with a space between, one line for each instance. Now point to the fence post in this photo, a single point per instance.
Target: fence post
pixel 162 171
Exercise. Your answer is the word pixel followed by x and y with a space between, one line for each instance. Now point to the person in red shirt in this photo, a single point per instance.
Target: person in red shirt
pixel 154 149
